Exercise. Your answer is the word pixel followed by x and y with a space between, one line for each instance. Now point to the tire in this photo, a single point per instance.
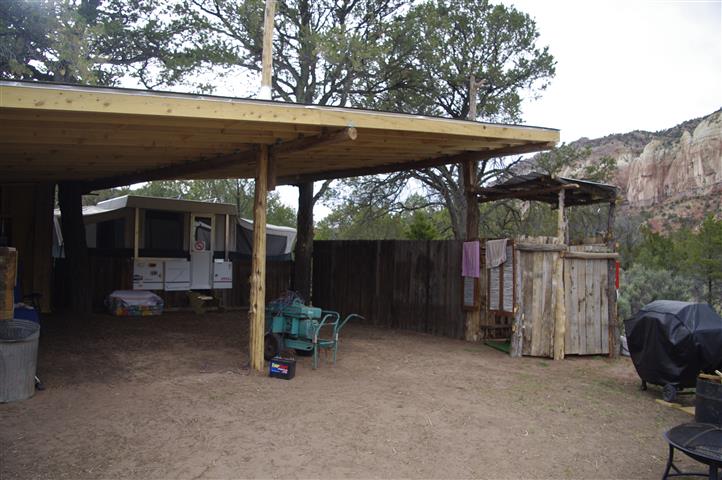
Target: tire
pixel 643 386
pixel 669 393
pixel 272 344
pixel 304 353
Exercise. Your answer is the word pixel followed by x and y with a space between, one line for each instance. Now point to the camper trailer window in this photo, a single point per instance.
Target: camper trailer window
pixel 110 234
pixel 163 230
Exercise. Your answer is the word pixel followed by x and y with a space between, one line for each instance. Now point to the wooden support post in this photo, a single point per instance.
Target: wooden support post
pixel 267 56
pixel 611 287
pixel 302 273
pixel 561 221
pixel 473 91
pixel 227 237
pixel 517 331
pixel 558 292
pixel 136 232
pixel 256 311
pixel 472 318
pixel 8 270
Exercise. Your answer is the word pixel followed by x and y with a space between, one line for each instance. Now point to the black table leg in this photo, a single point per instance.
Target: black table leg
pixel 670 461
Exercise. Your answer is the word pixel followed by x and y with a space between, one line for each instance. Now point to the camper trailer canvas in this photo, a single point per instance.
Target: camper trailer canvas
pixel 175 245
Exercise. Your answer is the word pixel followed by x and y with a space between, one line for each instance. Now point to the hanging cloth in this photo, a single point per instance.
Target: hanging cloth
pixel 470 259
pixel 495 252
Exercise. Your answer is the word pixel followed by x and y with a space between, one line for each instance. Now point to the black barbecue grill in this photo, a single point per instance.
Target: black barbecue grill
pixel 671 342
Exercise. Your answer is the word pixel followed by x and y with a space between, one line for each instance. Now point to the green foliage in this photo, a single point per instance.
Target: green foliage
pixel 322 49
pixel 421 227
pixel 91 42
pixel 640 285
pixel 703 259
pixel 693 254
pixel 441 43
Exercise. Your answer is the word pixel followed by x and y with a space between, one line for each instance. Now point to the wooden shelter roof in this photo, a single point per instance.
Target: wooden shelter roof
pixel 545 188
pixel 109 137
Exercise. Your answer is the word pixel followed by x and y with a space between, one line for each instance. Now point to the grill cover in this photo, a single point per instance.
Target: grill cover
pixel 671 342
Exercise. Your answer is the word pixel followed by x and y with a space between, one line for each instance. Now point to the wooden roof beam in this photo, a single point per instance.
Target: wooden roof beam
pixel 492 194
pixel 327 137
pixel 177 170
pixel 416 164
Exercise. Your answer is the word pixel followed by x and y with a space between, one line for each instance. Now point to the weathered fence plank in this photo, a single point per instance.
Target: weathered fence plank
pixel 411 285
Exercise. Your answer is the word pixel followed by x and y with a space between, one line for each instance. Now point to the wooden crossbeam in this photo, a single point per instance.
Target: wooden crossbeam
pixel 415 165
pixel 492 194
pixel 327 137
pixel 171 171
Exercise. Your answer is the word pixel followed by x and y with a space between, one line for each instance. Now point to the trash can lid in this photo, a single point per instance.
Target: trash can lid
pixel 17 330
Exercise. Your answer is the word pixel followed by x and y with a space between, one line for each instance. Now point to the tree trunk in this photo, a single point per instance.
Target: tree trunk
pixel 304 241
pixel 70 198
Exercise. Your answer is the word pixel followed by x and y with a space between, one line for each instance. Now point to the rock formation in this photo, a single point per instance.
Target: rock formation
pixel 674 176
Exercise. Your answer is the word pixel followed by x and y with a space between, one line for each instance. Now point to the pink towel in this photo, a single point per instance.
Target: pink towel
pixel 470 260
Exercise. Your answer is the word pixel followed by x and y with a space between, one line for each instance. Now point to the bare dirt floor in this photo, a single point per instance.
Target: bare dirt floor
pixel 169 397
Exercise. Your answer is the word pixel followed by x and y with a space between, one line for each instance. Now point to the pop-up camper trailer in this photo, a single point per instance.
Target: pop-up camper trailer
pixel 175 244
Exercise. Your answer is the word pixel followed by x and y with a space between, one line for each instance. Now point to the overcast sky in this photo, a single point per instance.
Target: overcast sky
pixel 627 65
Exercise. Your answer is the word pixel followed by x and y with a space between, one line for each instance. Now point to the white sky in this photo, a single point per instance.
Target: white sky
pixel 627 65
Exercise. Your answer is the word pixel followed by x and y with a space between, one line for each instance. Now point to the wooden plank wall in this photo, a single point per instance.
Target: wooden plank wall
pixel 587 305
pixel 115 273
pixel 538 302
pixel 406 284
pixel 585 297
pixel 28 211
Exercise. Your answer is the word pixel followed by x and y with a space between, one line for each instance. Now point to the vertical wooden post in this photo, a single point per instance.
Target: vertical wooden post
pixel 560 317
pixel 611 287
pixel 473 89
pixel 561 221
pixel 302 272
pixel 256 312
pixel 227 237
pixel 136 232
pixel 517 334
pixel 472 318
pixel 267 56
pixel 8 270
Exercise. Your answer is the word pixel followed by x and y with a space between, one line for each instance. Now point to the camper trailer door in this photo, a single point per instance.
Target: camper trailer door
pixel 202 227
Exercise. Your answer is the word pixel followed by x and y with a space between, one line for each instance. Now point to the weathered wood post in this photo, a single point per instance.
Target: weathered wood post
pixel 560 316
pixel 472 320
pixel 256 311
pixel 8 267
pixel 611 287
pixel 267 55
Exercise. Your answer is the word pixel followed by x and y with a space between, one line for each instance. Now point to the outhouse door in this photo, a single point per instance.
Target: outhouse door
pixel 202 228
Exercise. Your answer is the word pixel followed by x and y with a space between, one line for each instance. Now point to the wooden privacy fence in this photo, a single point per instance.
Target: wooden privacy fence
pixel 407 284
pixel 108 273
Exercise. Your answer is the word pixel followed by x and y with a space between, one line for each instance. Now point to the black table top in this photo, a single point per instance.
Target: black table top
pixel 702 441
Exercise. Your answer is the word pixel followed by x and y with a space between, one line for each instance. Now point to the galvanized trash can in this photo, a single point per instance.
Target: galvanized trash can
pixel 18 359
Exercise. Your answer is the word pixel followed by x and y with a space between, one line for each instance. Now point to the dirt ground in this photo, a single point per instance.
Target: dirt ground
pixel 168 397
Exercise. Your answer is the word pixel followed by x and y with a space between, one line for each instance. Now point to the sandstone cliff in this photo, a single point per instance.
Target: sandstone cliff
pixel 673 176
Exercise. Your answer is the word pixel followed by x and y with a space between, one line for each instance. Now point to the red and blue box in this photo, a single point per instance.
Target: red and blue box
pixel 284 368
